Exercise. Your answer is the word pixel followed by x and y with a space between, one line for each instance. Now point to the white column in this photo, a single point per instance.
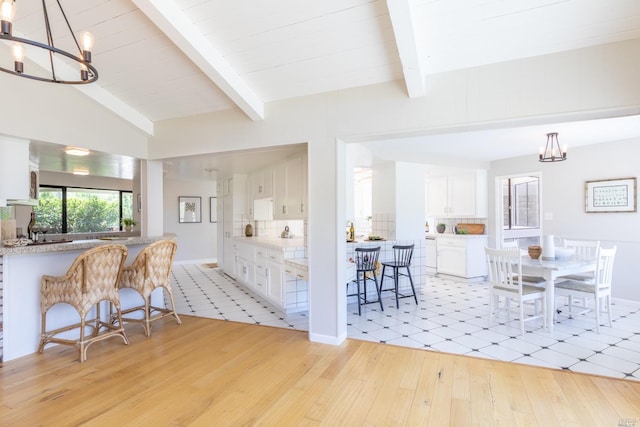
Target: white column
pixel 326 243
pixel 151 188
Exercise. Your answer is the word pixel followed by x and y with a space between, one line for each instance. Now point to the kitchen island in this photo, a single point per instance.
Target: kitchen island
pixel 22 270
pixel 274 268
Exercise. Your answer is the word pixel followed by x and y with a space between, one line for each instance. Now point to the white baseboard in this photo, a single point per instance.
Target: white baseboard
pixel 327 339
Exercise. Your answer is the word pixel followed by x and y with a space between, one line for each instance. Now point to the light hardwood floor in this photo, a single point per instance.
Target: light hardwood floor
pixel 210 372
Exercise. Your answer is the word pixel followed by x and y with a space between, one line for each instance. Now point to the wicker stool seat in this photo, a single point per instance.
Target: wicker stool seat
pixel 149 271
pixel 92 278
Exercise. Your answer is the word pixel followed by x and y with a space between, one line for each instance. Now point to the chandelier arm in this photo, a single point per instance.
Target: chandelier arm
pixel 73 36
pixel 47 27
pixel 93 72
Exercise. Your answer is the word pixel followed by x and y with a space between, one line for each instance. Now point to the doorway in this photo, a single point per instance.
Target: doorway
pixel 519 209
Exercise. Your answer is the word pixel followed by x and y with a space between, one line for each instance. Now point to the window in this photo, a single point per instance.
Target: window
pixel 82 210
pixel 521 205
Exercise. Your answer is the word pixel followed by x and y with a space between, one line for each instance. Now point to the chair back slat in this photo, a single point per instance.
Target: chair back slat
pixel 402 254
pixel 584 249
pixel 367 258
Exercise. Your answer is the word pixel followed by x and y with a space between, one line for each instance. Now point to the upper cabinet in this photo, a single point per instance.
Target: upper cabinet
pixel 463 194
pixel 289 189
pixel 261 184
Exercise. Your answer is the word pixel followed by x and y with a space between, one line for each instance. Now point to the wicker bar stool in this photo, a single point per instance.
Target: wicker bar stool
pixel 149 271
pixel 92 278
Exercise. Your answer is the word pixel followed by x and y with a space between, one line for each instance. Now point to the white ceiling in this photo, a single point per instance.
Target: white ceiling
pixel 163 59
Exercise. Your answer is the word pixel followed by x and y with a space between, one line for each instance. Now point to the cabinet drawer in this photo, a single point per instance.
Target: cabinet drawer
pixel 446 241
pixel 275 256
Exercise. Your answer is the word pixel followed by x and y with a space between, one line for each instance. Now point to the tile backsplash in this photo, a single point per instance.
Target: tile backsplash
pixel 452 222
pixel 273 228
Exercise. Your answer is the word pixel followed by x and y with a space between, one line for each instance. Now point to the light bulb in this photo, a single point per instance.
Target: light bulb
pixel 18 57
pixel 86 40
pixel 18 52
pixel 8 10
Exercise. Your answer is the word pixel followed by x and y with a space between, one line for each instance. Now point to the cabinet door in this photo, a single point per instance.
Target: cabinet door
pixel 275 283
pixel 250 196
pixel 294 188
pixel 228 250
pixel 267 183
pixel 436 196
pixel 280 191
pixel 462 194
pixel 452 260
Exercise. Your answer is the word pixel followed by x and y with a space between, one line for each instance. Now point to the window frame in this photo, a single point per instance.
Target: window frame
pixel 64 189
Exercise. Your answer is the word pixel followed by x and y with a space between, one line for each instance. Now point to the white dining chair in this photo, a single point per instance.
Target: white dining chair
pixel 586 250
pixel 505 280
pixel 529 280
pixel 597 288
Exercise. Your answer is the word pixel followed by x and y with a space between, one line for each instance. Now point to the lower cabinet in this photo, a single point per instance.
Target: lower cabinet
pixel 462 256
pixel 264 272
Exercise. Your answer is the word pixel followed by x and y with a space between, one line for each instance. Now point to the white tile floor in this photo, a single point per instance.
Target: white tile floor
pixel 451 317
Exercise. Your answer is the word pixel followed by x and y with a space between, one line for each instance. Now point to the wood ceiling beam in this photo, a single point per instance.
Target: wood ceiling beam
pixel 403 29
pixel 180 30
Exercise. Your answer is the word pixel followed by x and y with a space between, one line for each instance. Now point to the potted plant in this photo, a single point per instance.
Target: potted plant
pixel 441 227
pixel 128 223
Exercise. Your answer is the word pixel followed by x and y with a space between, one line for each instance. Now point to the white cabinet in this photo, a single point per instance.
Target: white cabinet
pixel 457 195
pixel 233 205
pixel 289 189
pixel 274 288
pixel 263 270
pixel 462 256
pixel 261 184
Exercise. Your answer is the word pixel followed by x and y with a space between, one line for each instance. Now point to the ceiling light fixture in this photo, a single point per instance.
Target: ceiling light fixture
pixel 76 151
pixel 552 152
pixel 88 72
pixel 81 171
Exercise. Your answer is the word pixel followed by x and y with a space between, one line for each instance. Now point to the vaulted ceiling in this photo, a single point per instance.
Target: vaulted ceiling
pixel 164 59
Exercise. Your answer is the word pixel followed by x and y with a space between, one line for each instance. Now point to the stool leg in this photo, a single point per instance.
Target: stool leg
pixel 384 267
pixel 379 289
pixel 395 282
pixel 358 296
pixel 415 297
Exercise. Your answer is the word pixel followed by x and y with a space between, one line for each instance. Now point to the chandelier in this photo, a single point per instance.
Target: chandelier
pixel 82 60
pixel 552 151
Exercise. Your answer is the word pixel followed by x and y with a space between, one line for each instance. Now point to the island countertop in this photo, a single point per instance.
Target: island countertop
pixel 75 245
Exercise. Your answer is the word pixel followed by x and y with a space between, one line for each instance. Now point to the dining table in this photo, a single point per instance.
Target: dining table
pixel 551 270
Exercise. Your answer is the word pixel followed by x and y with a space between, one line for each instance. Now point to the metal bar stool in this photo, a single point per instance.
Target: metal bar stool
pixel 401 259
pixel 366 266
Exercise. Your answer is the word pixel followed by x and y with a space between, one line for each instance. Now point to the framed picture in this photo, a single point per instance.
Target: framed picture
pixel 213 209
pixel 189 209
pixel 610 195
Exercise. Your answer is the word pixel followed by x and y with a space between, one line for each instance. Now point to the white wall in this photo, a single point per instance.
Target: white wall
pixel 197 242
pixel 563 197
